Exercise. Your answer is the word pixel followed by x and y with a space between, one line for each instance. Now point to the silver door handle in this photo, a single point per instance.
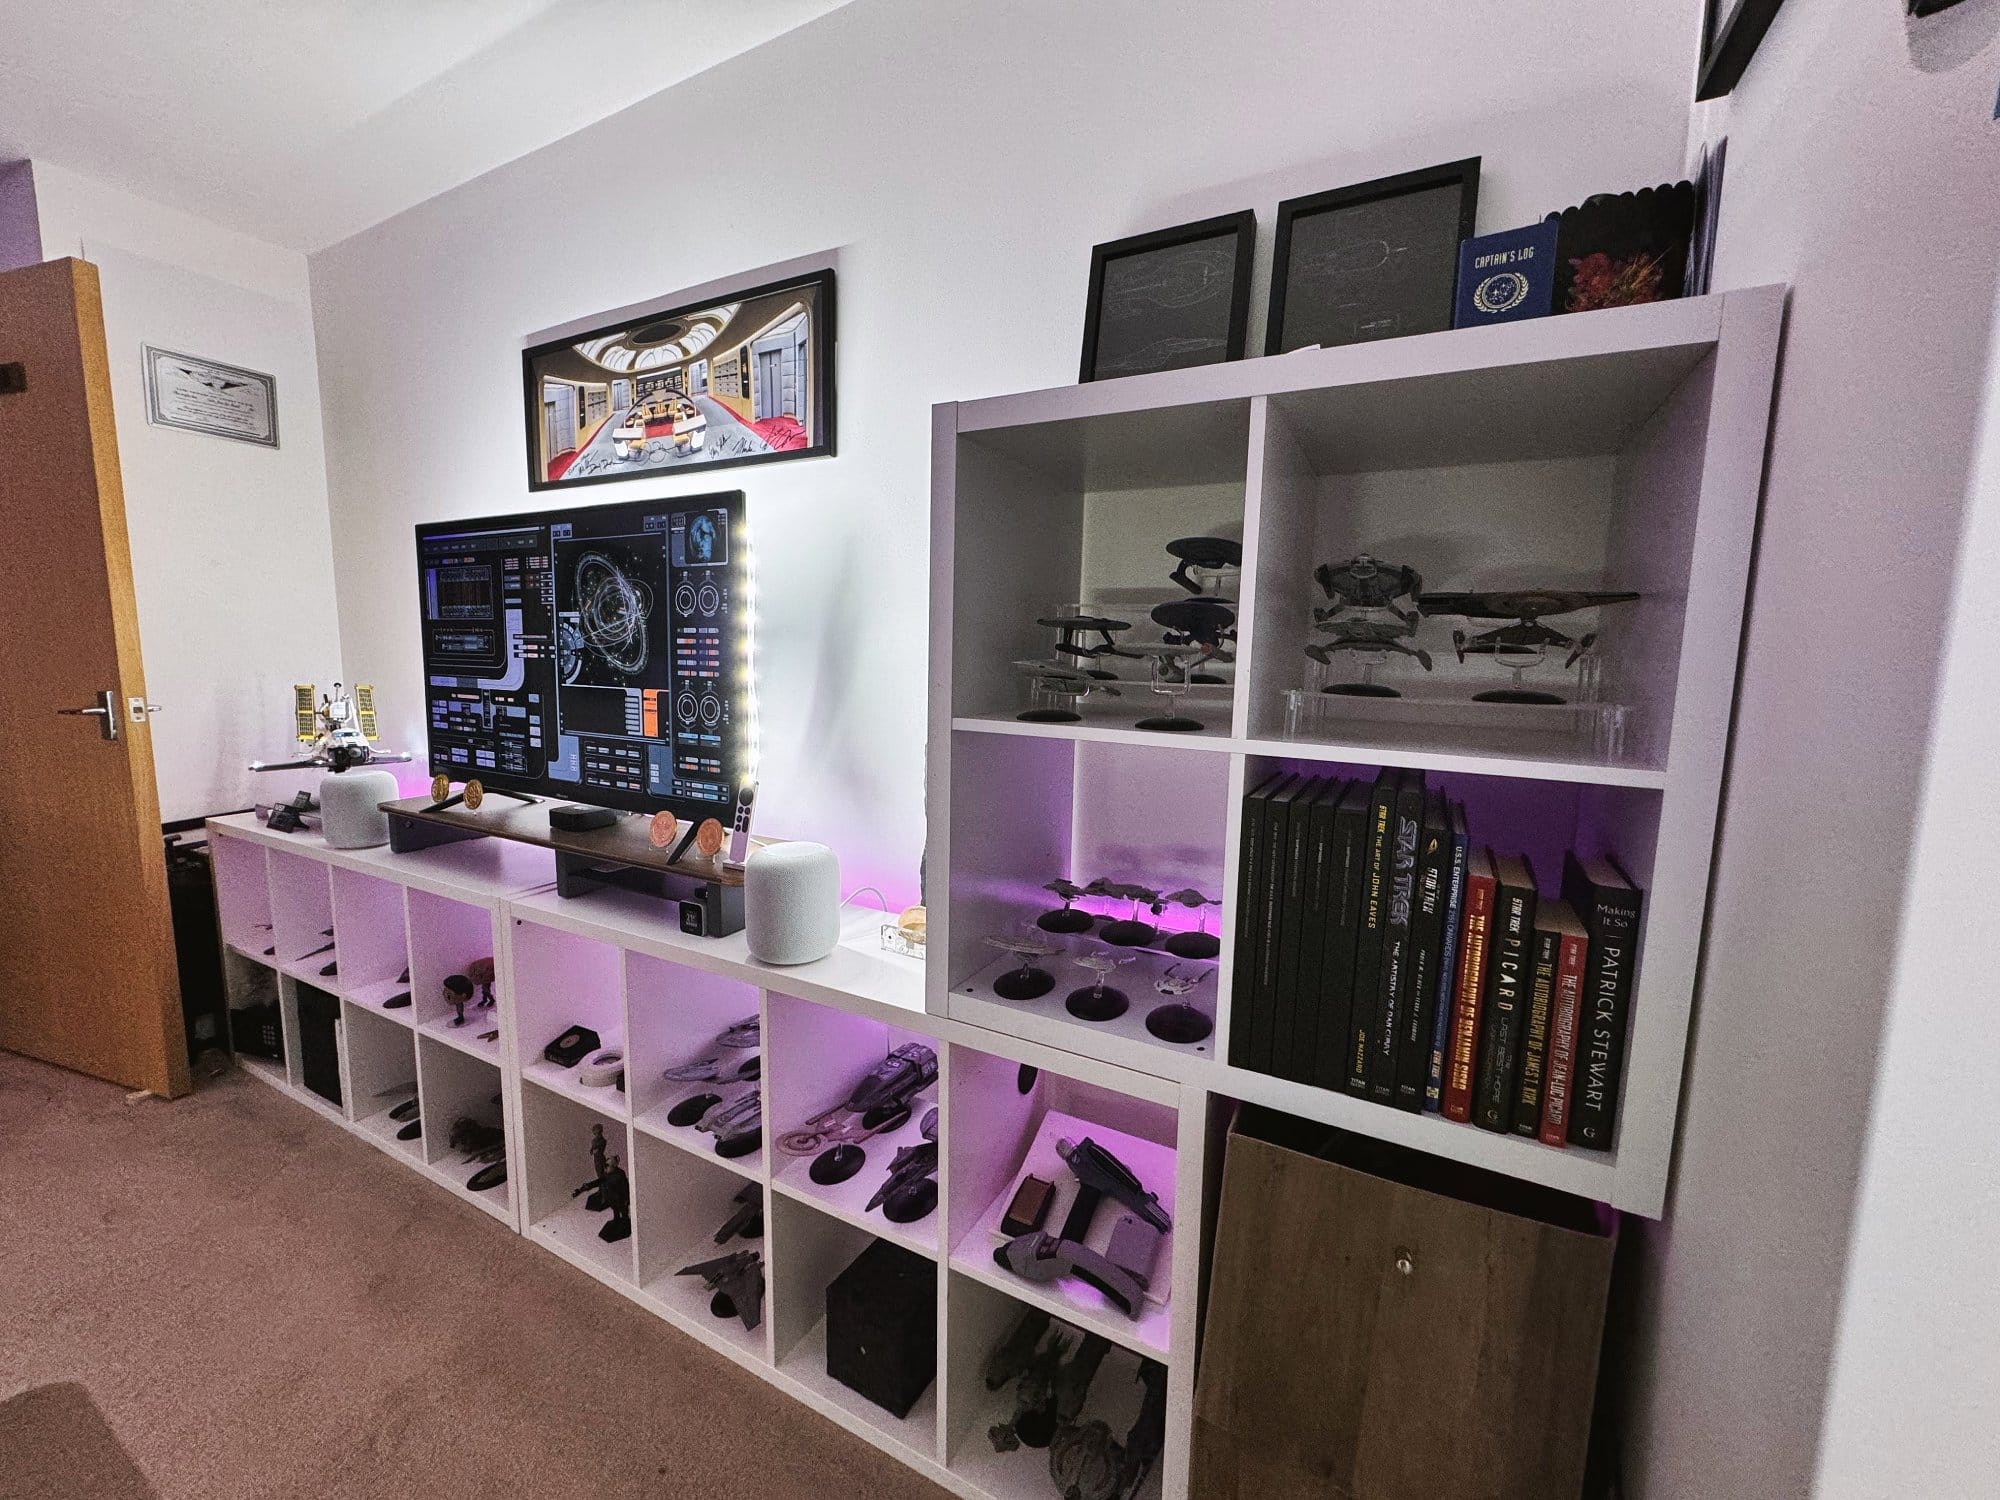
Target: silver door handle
pixel 105 711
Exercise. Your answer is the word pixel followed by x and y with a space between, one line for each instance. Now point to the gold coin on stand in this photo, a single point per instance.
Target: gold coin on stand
pixel 440 787
pixel 660 832
pixel 708 838
pixel 474 795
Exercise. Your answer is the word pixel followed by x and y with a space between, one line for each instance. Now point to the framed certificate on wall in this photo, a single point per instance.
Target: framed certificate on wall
pixel 207 396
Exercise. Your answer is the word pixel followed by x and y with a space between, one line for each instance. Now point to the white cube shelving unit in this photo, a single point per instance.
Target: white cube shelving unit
pixel 424 915
pixel 1619 450
pixel 618 963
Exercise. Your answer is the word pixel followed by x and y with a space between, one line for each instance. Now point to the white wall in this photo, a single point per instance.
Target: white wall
pixel 1916 1377
pixel 1873 186
pixel 20 226
pixel 231 557
pixel 958 159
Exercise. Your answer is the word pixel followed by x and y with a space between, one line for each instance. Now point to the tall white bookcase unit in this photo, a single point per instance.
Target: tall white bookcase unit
pixel 1612 450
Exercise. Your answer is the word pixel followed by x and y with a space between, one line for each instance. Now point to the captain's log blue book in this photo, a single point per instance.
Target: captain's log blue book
pixel 1505 277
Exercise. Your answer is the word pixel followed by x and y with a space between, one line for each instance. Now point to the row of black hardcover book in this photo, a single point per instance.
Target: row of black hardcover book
pixel 1380 952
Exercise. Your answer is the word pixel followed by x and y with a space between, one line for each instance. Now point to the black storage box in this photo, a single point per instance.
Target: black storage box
pixel 257 1031
pixel 319 1042
pixel 881 1326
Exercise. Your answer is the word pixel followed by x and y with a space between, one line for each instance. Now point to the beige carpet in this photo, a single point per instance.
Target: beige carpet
pixel 261 1305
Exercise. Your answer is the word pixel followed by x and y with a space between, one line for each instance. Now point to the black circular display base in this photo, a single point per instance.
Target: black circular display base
pixel 1194 945
pixel 1065 919
pixel 489 1176
pixel 1182 1025
pixel 1207 679
pixel 1093 1004
pixel 837 1164
pixel 908 1204
pixel 1171 724
pixel 729 1147
pixel 1036 1429
pixel 1101 674
pixel 1361 690
pixel 885 1117
pixel 615 1230
pixel 1517 695
pixel 692 1108
pixel 1129 933
pixel 1024 984
pixel 721 1305
pixel 1049 716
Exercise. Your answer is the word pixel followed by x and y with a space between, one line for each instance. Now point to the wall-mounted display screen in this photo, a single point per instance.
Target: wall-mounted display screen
pixel 747 379
pixel 597 654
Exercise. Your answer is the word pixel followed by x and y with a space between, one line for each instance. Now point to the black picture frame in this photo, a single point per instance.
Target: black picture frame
pixel 1428 305
pixel 1231 239
pixel 546 360
pixel 1731 34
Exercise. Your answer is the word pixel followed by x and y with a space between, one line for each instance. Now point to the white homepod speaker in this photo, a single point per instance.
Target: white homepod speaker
pixel 350 812
pixel 791 902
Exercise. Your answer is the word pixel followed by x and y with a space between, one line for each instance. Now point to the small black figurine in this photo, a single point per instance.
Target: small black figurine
pixel 609 1189
pixel 1130 931
pixel 457 994
pixel 1366 583
pixel 1368 618
pixel 1030 981
pixel 1099 1001
pixel 595 1202
pixel 1206 554
pixel 1527 641
pixel 1065 918
pixel 1198 944
pixel 1055 690
pixel 1207 623
pixel 618 1198
pixel 1070 629
pixel 480 972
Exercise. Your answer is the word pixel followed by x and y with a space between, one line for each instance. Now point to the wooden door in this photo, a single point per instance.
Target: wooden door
pixel 87 973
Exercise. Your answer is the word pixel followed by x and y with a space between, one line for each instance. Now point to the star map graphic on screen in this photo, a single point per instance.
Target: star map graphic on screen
pixel 595 654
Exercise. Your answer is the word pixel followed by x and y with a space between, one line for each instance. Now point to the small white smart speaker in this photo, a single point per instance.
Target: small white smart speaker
pixel 791 902
pixel 349 807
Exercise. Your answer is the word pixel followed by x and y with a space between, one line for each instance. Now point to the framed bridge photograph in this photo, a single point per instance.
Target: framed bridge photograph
pixel 741 379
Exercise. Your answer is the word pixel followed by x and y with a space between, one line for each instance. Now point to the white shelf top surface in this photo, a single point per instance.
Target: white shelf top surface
pixel 858 975
pixel 1545 387
pixel 1379 753
pixel 480 870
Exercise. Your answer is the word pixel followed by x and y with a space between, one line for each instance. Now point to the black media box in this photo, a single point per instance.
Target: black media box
pixel 881 1326
pixel 319 1042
